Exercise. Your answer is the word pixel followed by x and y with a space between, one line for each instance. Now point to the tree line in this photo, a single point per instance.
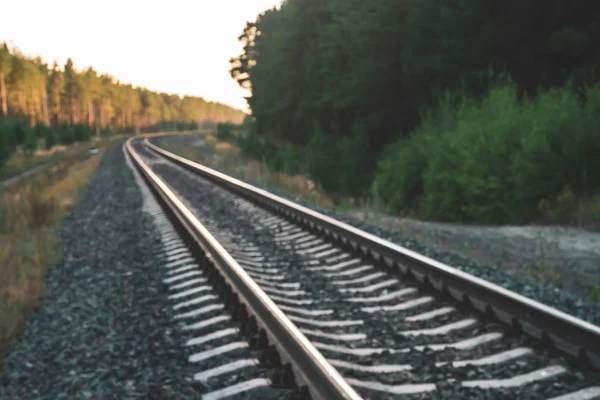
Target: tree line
pixel 62 105
pixel 31 90
pixel 348 87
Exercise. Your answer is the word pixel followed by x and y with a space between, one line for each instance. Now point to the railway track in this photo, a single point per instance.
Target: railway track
pixel 282 302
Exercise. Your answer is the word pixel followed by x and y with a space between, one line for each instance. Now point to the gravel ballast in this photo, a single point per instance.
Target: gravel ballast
pixel 547 293
pixel 104 330
pixel 232 219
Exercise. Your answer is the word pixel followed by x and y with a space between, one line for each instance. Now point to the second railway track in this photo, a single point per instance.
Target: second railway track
pixel 390 335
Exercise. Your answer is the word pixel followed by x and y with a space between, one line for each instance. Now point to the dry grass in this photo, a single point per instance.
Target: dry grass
pixel 226 157
pixel 53 150
pixel 20 162
pixel 224 146
pixel 211 139
pixel 30 214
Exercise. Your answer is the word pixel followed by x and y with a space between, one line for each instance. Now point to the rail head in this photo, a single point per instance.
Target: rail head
pixel 322 379
pixel 569 334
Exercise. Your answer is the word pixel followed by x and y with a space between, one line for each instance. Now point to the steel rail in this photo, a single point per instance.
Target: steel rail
pixel 574 337
pixel 310 368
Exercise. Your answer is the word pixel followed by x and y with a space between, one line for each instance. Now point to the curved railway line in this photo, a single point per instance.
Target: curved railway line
pixel 282 302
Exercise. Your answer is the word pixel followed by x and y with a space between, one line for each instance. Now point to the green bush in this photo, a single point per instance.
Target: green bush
pixel 5 143
pixel 469 179
pixel 340 165
pixel 81 133
pixel 12 133
pixel 286 158
pixel 291 159
pixel 355 164
pixel 20 132
pixel 225 131
pixel 67 136
pixel 399 178
pixel 252 145
pixel 555 148
pixel 589 142
pixel 498 159
pixel 30 141
pixel 50 137
pixel 8 128
pixel 319 157
pixel 40 130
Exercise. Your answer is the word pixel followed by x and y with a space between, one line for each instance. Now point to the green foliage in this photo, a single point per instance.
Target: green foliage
pixel 377 64
pixel 55 95
pixel 5 143
pixel 30 141
pixel 40 130
pixel 20 132
pixel 558 147
pixel 399 179
pixel 285 158
pixel 67 135
pixel 340 165
pixel 470 177
pixel 252 145
pixel 225 131
pixel 498 159
pixel 320 159
pixel 7 140
pixel 14 133
pixel 51 137
pixel 291 159
pixel 81 133
pixel 355 168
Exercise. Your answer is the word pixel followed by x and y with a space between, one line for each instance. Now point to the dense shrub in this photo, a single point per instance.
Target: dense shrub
pixel 354 162
pixel 499 159
pixel 5 145
pixel 470 178
pixel 225 131
pixel 81 133
pixel 555 149
pixel 319 158
pixel 340 165
pixel 399 179
pixel 287 158
pixel 252 145
pixel 40 130
pixel 8 128
pixel 30 141
pixel 67 136
pixel 292 159
pixel 11 132
pixel 20 132
pixel 51 137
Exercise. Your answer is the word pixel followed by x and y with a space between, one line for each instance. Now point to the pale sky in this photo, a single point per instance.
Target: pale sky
pixel 173 46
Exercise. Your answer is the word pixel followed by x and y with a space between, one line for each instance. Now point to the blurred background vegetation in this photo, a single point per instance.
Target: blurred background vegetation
pixel 454 110
pixel 60 106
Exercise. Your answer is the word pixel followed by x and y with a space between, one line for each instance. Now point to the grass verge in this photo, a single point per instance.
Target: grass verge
pixel 226 157
pixel 21 162
pixel 30 214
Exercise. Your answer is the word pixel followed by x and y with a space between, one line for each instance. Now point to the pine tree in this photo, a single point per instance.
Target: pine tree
pixel 5 69
pixel 56 85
